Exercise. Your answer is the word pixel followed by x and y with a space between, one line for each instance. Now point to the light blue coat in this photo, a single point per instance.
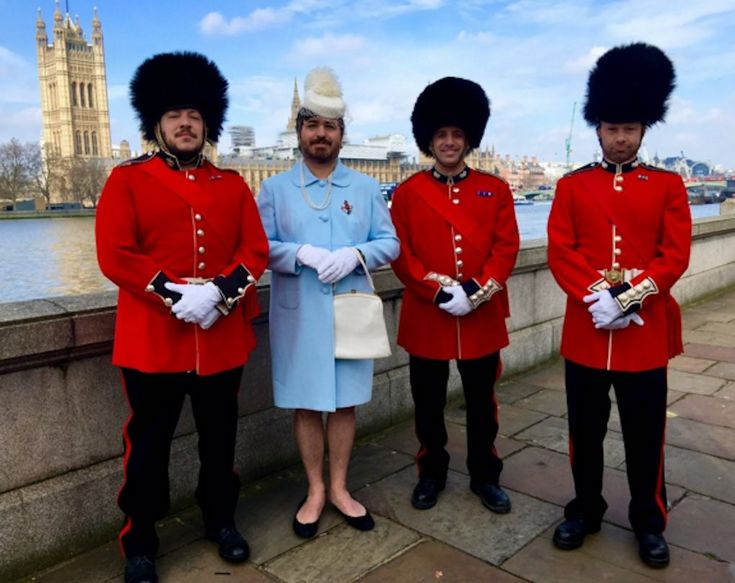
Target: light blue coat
pixel 305 373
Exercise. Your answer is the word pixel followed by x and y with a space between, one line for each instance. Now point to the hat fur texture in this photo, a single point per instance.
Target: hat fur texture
pixel 450 101
pixel 175 81
pixel 323 94
pixel 630 83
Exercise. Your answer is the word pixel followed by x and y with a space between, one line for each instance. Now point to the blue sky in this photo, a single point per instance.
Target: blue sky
pixel 531 56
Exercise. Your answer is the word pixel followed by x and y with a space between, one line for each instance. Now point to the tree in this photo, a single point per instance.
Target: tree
pixel 50 177
pixel 19 166
pixel 85 179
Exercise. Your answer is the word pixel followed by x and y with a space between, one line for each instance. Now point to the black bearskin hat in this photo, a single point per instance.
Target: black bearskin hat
pixel 630 83
pixel 450 101
pixel 179 80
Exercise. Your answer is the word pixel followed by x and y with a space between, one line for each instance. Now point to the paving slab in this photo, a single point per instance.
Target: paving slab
pixel 726 392
pixel 724 328
pixel 546 401
pixel 704 525
pixel 431 561
pixel 552 433
pixel 511 391
pixel 712 410
pixel 701 437
pixel 460 520
pixel 725 370
pixel 709 351
pixel 694 383
pixel 610 555
pixel 689 364
pixel 700 337
pixel 701 473
pixel 548 377
pixel 342 553
pixel 514 419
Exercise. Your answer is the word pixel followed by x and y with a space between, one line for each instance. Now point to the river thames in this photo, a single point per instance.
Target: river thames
pixel 43 258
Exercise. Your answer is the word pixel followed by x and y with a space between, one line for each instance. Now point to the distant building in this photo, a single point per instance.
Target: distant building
pixel 685 167
pixel 241 137
pixel 73 83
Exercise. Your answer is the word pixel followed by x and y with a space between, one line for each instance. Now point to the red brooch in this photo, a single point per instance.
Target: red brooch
pixel 347 207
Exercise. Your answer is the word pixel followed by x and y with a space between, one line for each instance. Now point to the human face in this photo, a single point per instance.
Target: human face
pixel 449 146
pixel 183 132
pixel 320 140
pixel 620 141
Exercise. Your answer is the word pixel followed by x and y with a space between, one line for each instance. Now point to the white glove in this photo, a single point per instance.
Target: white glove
pixel 196 300
pixel 209 320
pixel 460 304
pixel 337 264
pixel 623 322
pixel 604 310
pixel 311 256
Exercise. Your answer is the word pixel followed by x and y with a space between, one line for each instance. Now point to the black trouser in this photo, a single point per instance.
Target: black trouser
pixel 641 398
pixel 155 401
pixel 429 389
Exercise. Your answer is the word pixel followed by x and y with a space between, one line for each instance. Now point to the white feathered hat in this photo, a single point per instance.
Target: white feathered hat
pixel 323 94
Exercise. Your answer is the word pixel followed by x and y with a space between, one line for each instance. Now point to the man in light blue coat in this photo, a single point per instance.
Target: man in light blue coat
pixel 317 217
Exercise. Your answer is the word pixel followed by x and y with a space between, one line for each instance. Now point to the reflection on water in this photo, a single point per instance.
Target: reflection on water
pixel 43 258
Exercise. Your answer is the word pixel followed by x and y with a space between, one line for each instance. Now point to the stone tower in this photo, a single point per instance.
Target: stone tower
pixel 76 117
pixel 295 106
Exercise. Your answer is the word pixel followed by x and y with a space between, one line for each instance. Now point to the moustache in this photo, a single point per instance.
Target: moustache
pixel 184 133
pixel 321 141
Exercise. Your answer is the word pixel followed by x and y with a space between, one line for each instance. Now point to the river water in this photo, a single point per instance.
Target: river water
pixel 44 258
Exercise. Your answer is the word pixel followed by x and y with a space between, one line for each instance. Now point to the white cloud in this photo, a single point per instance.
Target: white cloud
pixel 480 38
pixel 117 92
pixel 584 63
pixel 328 45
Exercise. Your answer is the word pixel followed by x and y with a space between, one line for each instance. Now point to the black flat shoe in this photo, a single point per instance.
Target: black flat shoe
pixel 493 497
pixel 364 522
pixel 140 569
pixel 569 535
pixel 232 546
pixel 653 550
pixel 301 529
pixel 426 493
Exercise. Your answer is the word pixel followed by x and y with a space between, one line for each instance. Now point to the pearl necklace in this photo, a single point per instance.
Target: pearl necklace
pixel 307 198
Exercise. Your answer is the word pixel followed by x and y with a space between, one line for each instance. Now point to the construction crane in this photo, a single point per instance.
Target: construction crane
pixel 568 141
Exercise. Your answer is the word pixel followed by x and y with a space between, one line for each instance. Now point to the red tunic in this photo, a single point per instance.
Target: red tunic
pixel 640 231
pixel 155 223
pixel 466 232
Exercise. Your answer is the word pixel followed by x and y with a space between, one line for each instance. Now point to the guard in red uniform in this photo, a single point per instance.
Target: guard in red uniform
pixel 619 238
pixel 459 241
pixel 183 241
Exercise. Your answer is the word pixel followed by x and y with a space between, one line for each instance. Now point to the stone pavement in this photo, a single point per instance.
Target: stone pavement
pixel 460 541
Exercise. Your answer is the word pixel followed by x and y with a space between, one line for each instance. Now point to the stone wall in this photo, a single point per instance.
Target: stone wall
pixel 61 407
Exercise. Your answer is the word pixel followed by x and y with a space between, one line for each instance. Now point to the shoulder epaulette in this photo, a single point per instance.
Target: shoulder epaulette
pixel 585 168
pixel 658 169
pixel 148 156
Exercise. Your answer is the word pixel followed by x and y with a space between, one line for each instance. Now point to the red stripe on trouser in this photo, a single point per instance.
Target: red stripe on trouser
pixel 127 527
pixel 660 480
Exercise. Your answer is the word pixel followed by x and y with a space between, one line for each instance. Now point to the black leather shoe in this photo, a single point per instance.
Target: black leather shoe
pixel 426 493
pixel 653 550
pixel 140 569
pixel 232 546
pixel 304 530
pixel 493 497
pixel 364 522
pixel 570 534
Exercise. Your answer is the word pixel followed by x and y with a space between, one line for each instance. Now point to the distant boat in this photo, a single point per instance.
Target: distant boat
pixel 519 200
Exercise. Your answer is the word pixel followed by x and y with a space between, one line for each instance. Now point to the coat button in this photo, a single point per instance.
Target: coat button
pixel 455 189
pixel 197 217
pixel 460 263
pixel 617 251
pixel 616 265
pixel 149 288
pixel 169 302
pixel 617 238
pixel 201 249
pixel 455 201
pixel 251 279
pixel 191 177
pixel 458 250
pixel 458 237
pixel 200 232
pixel 202 265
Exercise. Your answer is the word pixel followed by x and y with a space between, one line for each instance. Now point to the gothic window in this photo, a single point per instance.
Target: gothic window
pixel 89 95
pixel 86 143
pixel 78 143
pixel 74 101
pixel 95 149
pixel 81 94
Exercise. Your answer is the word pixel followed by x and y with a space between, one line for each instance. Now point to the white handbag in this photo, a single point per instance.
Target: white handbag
pixel 359 327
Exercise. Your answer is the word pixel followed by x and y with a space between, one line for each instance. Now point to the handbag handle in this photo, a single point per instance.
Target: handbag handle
pixel 364 266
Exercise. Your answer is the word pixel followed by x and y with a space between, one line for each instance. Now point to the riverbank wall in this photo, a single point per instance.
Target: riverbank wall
pixel 62 409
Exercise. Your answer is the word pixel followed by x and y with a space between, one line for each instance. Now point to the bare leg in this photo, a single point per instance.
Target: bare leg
pixel 340 437
pixel 309 432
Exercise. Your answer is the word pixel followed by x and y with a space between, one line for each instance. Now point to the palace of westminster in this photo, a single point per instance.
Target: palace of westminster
pixel 76 121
